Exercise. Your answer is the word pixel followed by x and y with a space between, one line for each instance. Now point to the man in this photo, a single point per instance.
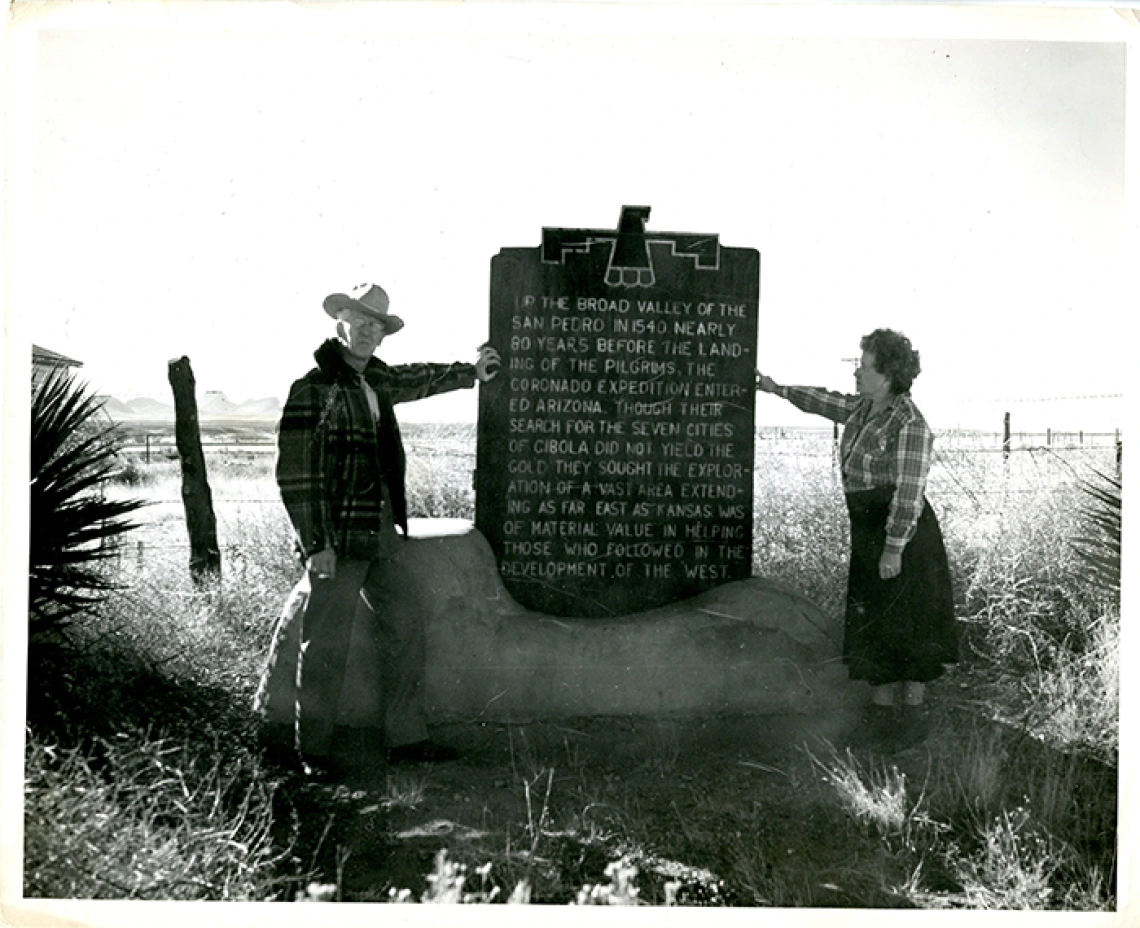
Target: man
pixel 340 470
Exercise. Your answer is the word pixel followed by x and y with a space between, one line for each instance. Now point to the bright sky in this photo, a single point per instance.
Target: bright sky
pixel 196 186
pixel 194 179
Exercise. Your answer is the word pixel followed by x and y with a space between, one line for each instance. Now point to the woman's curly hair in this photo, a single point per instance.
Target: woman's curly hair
pixel 895 359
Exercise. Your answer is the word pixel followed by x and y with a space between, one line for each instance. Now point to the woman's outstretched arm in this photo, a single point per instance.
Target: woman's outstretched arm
pixel 827 403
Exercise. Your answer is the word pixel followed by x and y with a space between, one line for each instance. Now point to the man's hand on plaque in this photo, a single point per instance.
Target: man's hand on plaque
pixel 488 364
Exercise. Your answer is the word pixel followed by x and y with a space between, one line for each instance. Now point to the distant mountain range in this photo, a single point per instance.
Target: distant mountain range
pixel 211 405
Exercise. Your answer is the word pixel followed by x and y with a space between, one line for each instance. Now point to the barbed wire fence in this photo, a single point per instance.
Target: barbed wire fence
pixel 458 440
pixel 975 467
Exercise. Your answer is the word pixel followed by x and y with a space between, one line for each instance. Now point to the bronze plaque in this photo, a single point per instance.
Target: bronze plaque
pixel 615 448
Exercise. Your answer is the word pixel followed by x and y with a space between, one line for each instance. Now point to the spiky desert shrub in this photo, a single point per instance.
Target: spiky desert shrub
pixel 1098 544
pixel 74 527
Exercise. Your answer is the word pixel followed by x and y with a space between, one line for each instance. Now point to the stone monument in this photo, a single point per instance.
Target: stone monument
pixel 615 450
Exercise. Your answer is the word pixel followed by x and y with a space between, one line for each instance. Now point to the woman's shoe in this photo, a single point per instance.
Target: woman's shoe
pixel 876 728
pixel 912 727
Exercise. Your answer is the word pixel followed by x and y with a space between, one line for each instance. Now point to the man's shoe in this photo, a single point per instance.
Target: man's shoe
pixel 322 769
pixel 360 748
pixel 421 752
pixel 277 747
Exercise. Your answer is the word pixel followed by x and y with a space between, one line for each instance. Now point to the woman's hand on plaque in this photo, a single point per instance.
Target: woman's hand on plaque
pixel 765 384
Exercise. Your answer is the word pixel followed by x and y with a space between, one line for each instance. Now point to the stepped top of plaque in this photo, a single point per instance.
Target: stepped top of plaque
pixel 631 260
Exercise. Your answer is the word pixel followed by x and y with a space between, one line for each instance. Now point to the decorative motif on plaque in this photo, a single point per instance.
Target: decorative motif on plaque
pixel 630 263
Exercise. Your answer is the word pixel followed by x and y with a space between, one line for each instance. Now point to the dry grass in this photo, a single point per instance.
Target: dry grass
pixel 1019 815
pixel 143 781
pixel 876 797
pixel 146 818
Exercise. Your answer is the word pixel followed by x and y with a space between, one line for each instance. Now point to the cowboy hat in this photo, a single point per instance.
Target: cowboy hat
pixel 369 299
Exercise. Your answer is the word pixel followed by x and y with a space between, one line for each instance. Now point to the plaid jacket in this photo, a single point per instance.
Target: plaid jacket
pixel 893 449
pixel 332 455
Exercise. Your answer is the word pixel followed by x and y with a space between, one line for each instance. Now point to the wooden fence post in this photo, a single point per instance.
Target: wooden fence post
pixel 205 558
pixel 1005 439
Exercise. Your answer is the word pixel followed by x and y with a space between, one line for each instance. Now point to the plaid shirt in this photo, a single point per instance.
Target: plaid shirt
pixel 335 459
pixel 891 449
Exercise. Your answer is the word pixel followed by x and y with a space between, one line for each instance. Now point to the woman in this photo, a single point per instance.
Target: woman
pixel 900 628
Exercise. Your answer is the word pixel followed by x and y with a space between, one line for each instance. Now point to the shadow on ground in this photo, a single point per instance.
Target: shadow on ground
pixel 729 811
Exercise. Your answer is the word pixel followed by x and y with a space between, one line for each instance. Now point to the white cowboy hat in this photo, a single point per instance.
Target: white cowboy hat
pixel 369 299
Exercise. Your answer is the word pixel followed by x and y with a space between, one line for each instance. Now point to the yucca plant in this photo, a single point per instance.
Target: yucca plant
pixel 1098 545
pixel 74 527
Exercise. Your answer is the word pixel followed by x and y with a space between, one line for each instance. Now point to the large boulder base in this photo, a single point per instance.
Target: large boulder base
pixel 745 648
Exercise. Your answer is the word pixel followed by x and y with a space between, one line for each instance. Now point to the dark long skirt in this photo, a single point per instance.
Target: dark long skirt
pixel 903 628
